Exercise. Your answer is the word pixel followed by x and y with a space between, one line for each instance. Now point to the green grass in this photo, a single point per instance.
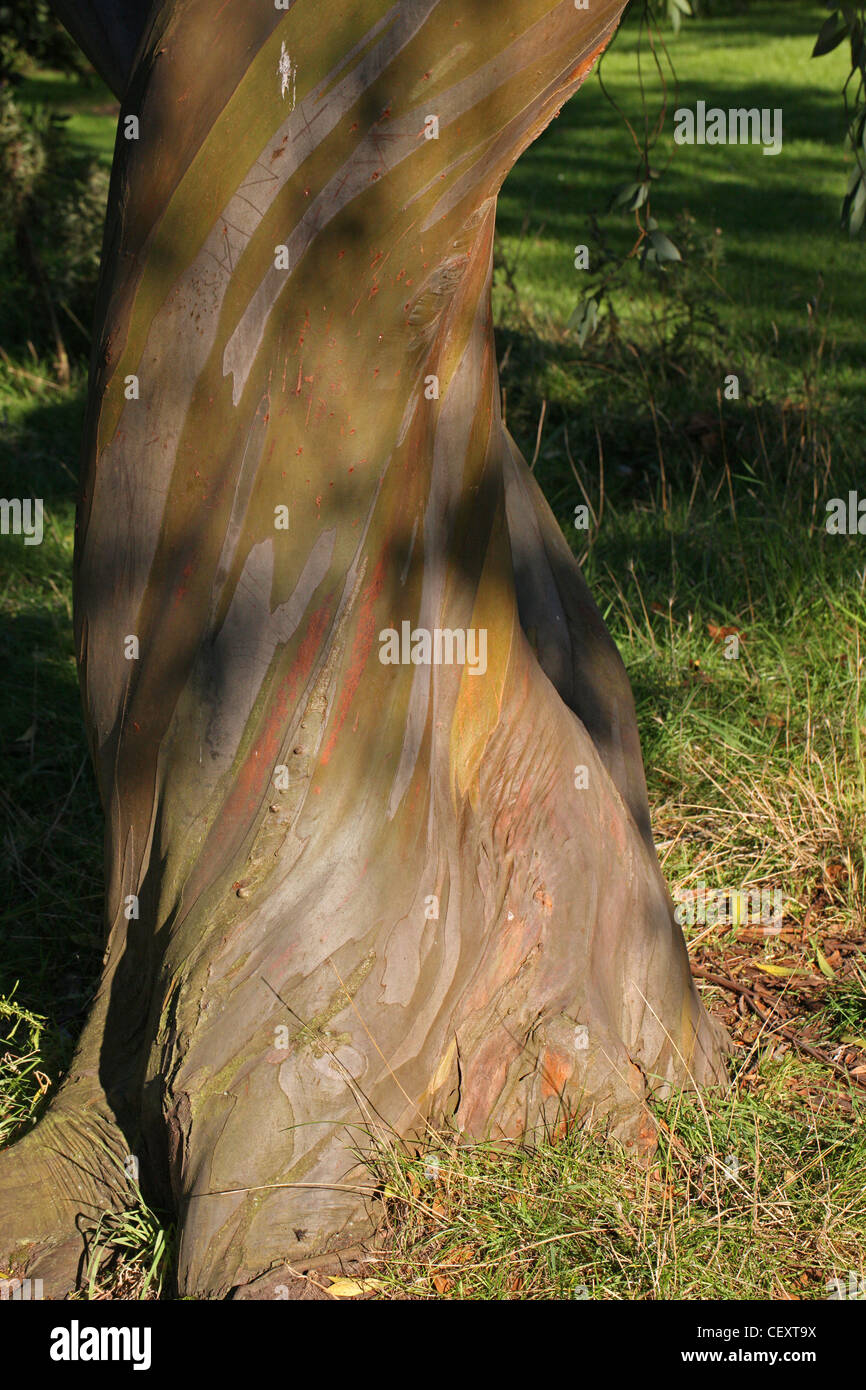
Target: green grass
pixel 705 515
pixel 779 215
pixel 89 106
pixel 750 1196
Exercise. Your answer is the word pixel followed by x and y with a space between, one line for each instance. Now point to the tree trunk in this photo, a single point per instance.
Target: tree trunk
pixel 342 894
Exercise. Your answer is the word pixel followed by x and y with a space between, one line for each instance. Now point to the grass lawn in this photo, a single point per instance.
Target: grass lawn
pixel 740 621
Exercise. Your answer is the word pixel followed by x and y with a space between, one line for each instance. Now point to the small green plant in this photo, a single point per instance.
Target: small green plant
pixel 129 1254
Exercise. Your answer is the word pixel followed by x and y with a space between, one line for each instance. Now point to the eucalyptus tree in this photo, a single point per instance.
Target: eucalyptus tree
pixel 346 895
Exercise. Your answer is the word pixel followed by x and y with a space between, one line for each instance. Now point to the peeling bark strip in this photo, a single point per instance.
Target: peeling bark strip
pixel 368 893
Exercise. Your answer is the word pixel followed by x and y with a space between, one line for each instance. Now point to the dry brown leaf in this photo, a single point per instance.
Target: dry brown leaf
pixel 462 1255
pixel 352 1288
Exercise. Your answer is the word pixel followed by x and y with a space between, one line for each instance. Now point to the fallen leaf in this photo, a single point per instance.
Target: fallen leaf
pixel 823 964
pixel 351 1288
pixel 462 1255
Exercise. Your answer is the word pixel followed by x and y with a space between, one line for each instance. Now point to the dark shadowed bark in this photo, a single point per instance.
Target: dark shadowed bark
pixel 366 893
pixel 108 32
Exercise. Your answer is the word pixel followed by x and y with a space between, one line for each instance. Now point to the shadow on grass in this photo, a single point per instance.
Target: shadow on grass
pixel 51 849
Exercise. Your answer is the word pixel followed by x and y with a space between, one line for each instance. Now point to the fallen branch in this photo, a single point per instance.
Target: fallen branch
pixel 724 982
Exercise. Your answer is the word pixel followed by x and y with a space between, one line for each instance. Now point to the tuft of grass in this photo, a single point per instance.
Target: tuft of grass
pixel 129 1255
pixel 747 1197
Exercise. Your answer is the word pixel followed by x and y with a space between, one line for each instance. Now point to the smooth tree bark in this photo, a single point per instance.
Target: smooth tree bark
pixel 345 897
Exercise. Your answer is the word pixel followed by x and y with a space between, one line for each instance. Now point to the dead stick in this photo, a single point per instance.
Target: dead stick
pixel 751 998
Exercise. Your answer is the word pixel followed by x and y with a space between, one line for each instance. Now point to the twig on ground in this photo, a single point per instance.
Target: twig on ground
pixel 724 982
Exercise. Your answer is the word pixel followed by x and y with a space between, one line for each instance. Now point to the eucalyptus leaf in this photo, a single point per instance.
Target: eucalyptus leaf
pixel 857 210
pixel 663 246
pixel 831 34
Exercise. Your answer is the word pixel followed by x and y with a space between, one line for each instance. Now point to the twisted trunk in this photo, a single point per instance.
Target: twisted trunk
pixel 366 893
